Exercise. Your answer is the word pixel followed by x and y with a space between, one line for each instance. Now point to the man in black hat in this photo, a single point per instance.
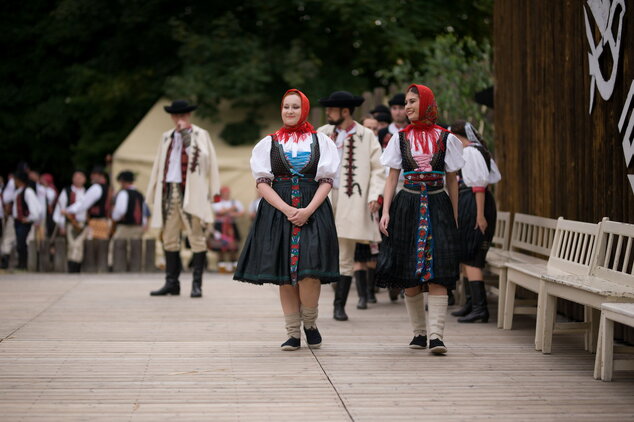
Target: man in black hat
pixel 129 211
pixel 399 118
pixel 182 185
pixel 355 193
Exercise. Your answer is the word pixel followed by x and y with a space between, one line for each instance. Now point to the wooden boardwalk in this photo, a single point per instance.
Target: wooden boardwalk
pixel 99 348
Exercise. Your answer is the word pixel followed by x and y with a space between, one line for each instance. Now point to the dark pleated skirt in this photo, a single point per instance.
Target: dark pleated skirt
pixel 265 257
pixel 396 266
pixel 474 243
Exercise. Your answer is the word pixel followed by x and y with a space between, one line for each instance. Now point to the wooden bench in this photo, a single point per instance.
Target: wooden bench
pixel 605 364
pixel 498 253
pixel 570 253
pixel 531 239
pixel 610 279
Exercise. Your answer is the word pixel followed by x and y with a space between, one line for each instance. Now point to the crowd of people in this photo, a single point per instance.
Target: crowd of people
pixel 396 201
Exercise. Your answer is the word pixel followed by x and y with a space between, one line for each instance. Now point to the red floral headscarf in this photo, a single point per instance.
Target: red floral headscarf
pixel 424 129
pixel 285 133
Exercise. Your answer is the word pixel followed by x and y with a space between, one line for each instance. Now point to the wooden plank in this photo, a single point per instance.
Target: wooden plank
pixel 136 255
pixel 149 256
pixel 119 255
pixel 32 256
pixel 59 264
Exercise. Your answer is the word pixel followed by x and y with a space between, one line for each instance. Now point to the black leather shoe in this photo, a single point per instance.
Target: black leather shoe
pixel 313 338
pixel 394 294
pixel 480 310
pixel 437 347
pixel 167 289
pixel 371 286
pixel 172 271
pixel 418 342
pixel 291 344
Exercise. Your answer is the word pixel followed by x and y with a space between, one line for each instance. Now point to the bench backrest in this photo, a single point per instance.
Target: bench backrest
pixel 615 253
pixel 533 234
pixel 574 246
pixel 502 235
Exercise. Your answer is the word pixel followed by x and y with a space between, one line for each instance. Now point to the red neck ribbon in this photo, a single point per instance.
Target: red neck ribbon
pixel 286 133
pixel 424 129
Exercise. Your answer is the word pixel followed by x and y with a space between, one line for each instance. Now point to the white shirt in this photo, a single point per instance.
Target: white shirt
pixel 88 200
pixel 392 128
pixel 392 157
pixel 8 195
pixel 225 205
pixel 35 210
pixel 121 205
pixel 253 206
pixel 475 172
pixel 174 171
pixel 328 165
pixel 62 204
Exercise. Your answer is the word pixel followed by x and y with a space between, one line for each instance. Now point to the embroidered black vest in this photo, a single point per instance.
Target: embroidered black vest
pixel 101 208
pixel 437 161
pixel 282 168
pixel 134 213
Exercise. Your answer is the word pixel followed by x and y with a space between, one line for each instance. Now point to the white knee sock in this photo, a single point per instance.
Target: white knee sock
pixel 437 312
pixel 416 310
pixel 293 323
pixel 309 316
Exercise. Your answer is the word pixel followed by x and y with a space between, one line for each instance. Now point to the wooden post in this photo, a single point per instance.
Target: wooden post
pixel 44 252
pixel 89 265
pixel 31 262
pixel 60 265
pixel 120 255
pixel 101 249
pixel 136 255
pixel 149 265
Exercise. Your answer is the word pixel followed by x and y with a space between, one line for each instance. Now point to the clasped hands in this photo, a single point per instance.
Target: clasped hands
pixel 297 216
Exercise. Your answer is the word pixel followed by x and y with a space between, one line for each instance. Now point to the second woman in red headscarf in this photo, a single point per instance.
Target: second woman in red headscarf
pixel 293 241
pixel 421 247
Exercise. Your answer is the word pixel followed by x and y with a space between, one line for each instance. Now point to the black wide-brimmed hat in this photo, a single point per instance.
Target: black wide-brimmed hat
pixel 342 99
pixel 397 99
pixel 126 176
pixel 383 117
pixel 381 108
pixel 180 107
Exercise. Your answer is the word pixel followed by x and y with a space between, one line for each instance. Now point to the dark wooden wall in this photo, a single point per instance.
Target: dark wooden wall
pixel 555 158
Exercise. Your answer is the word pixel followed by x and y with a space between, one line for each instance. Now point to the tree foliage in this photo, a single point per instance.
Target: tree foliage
pixel 81 73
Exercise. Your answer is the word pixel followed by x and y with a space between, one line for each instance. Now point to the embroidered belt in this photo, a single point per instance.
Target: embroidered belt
pixel 296 197
pixel 421 182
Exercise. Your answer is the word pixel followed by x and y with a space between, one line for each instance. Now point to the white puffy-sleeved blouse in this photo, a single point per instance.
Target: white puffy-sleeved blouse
pixel 392 157
pixel 327 167
pixel 475 173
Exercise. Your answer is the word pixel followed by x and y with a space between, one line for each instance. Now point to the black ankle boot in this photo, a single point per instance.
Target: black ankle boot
pixel 341 296
pixel 198 267
pixel 4 262
pixel 361 281
pixel 480 311
pixel 466 308
pixel 394 293
pixel 172 271
pixel 371 286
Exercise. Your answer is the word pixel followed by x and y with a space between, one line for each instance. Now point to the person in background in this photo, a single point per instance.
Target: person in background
pixel 399 118
pixel 253 206
pixel 226 232
pixel 477 215
pixel 355 193
pixel 72 226
pixel 183 181
pixel 371 123
pixel 383 119
pixel 8 235
pixel 97 202
pixel 129 211
pixel 26 212
pixel 48 182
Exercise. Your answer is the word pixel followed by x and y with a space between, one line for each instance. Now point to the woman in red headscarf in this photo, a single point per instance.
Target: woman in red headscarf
pixel 293 241
pixel 421 247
